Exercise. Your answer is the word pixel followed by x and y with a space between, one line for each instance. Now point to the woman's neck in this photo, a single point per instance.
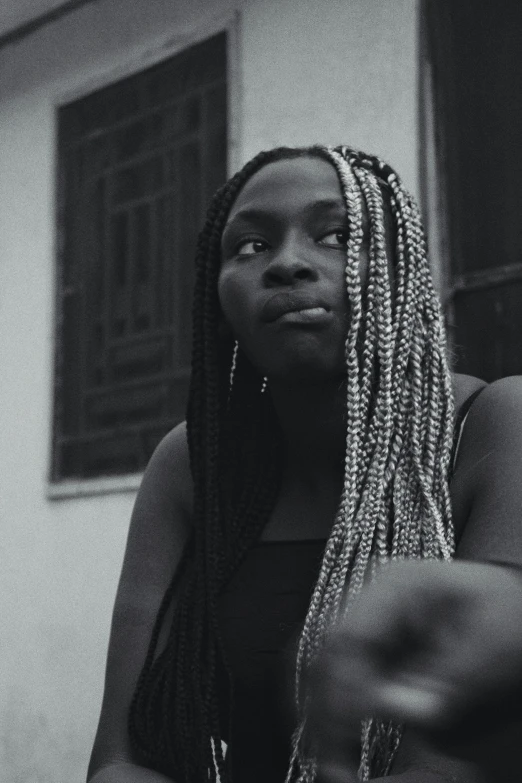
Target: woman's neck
pixel 312 419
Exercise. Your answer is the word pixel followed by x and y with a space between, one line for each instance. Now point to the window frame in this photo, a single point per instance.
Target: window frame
pixel 445 234
pixel 61 488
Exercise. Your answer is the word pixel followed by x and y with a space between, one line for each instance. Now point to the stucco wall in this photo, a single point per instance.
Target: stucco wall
pixel 338 70
pixel 335 72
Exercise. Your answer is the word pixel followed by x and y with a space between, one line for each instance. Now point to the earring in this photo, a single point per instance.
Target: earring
pixel 234 362
pixel 264 384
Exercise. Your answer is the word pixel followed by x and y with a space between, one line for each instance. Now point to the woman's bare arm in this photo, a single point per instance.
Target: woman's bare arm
pixel 158 532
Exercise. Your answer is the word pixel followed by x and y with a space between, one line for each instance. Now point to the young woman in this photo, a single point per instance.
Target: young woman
pixel 319 441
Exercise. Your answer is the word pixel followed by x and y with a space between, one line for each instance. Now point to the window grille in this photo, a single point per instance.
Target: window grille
pixel 138 163
pixel 475 52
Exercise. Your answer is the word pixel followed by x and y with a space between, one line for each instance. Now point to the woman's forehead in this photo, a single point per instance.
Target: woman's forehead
pixel 296 179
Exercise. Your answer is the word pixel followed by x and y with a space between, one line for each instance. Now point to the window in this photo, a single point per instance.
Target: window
pixel 138 163
pixel 474 48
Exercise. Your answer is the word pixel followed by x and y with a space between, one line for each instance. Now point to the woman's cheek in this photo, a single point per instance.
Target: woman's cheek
pixel 236 302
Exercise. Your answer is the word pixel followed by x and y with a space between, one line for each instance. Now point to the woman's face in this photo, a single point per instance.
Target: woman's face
pixel 282 281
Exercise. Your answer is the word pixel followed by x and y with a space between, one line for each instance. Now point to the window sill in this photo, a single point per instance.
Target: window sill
pixel 78 488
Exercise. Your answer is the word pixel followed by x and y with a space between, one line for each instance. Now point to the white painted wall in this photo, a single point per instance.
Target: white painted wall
pixel 334 71
pixel 338 71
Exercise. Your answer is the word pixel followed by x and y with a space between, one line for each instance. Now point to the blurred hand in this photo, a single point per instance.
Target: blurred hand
pixel 435 645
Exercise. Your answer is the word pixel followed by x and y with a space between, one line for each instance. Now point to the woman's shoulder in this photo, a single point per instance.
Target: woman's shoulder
pixel 174 445
pixel 172 452
pixel 495 405
pixel 464 387
pixel 168 476
pixel 489 461
pixel 494 422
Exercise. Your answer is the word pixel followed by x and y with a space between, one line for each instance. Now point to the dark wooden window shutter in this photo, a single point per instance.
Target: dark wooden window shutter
pixel 475 49
pixel 138 163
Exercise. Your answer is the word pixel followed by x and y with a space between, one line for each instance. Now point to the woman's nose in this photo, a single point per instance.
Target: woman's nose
pixel 287 267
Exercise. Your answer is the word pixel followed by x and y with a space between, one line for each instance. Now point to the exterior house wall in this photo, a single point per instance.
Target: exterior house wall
pixel 301 72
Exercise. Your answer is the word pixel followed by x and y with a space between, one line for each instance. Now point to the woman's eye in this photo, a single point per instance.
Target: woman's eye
pixel 250 247
pixel 335 239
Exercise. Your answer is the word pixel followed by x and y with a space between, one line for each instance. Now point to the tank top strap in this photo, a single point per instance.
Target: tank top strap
pixel 460 420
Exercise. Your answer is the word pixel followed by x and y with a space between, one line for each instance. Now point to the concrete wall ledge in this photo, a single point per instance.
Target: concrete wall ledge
pixel 64 490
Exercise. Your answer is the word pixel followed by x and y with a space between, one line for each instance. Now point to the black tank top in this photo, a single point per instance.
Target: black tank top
pixel 261 614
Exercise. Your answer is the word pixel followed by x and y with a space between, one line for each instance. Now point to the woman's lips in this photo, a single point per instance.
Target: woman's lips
pixel 310 315
pixel 295 307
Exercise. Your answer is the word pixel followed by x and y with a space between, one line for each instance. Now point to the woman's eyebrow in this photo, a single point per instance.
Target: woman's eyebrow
pixel 310 210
